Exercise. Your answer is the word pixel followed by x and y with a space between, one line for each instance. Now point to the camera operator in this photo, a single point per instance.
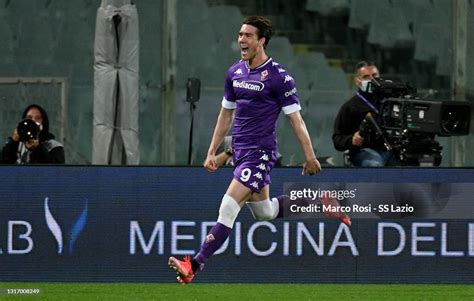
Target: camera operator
pixel 32 142
pixel 364 150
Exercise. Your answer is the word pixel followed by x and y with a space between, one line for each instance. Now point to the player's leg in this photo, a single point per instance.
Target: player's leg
pixel 249 175
pixel 262 207
pixel 230 207
pixel 256 176
pixel 231 204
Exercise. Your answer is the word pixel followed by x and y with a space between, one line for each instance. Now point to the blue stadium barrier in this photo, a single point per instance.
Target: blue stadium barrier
pixel 95 223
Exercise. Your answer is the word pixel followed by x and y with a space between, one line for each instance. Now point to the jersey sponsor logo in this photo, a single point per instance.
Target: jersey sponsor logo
pixel 249 85
pixel 291 92
pixel 288 78
pixel 238 71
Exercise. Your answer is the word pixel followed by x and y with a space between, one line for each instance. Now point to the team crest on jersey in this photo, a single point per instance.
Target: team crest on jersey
pixel 238 71
pixel 264 74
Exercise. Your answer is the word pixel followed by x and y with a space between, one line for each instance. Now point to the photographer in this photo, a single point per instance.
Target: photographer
pixel 32 142
pixel 364 150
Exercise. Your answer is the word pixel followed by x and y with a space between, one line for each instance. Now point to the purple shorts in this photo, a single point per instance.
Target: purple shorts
pixel 253 166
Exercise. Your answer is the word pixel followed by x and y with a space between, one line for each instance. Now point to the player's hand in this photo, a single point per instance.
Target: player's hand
pixel 211 164
pixel 357 139
pixel 32 144
pixel 311 167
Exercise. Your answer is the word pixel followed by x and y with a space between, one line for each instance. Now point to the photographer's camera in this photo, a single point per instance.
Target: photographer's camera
pixel 28 130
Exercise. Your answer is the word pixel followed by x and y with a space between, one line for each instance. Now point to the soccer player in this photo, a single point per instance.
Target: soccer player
pixel 257 88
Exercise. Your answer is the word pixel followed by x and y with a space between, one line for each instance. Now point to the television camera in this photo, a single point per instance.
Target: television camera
pixel 408 125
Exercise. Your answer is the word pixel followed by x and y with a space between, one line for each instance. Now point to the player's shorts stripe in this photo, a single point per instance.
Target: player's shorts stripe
pixel 291 108
pixel 228 104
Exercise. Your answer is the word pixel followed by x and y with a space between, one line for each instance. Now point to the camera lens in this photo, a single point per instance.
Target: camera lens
pixel 27 130
pixel 455 120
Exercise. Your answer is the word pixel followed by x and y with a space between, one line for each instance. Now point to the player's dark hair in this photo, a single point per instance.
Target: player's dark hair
pixel 363 64
pixel 263 25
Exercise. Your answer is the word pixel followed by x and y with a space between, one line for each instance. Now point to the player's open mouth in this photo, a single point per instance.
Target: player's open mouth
pixel 244 50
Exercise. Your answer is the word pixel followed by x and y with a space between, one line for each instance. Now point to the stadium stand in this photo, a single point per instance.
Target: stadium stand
pixel 61 44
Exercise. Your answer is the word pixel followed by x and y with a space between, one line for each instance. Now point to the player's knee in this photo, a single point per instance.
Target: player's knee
pixel 266 217
pixel 228 211
pixel 264 210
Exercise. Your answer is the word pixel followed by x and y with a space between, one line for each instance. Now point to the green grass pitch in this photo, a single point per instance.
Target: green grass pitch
pixel 222 292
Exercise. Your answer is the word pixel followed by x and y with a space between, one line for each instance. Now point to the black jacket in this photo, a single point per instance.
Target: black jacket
pixel 348 121
pixel 48 152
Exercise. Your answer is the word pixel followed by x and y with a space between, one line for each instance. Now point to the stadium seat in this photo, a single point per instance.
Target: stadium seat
pixel 195 33
pixel 308 68
pixel 225 37
pixel 312 60
pixel 411 9
pixel 319 117
pixel 328 7
pixel 432 33
pixel 332 79
pixel 361 13
pixel 288 144
pixel 388 27
pixel 280 49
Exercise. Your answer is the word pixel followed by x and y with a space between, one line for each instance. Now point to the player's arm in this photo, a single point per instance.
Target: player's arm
pixel 224 121
pixel 312 165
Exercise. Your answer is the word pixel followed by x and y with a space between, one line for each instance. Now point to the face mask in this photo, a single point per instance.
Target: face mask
pixel 365 87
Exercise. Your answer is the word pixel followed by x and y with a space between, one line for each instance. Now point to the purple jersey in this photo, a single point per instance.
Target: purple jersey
pixel 258 95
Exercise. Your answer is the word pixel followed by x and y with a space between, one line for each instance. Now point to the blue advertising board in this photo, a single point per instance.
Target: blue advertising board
pixel 92 223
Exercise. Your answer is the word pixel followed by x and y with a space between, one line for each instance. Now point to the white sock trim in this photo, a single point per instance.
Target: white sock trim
pixel 228 211
pixel 264 210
